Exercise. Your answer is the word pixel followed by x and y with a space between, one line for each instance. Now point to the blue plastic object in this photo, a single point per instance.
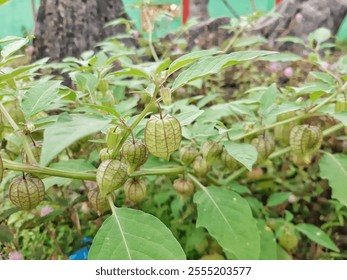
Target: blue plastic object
pixel 82 254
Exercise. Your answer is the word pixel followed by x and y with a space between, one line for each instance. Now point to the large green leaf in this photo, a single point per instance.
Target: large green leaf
pixel 268 245
pixel 67 130
pixel 317 235
pixel 243 153
pixel 134 235
pixel 189 58
pixel 39 97
pixel 334 169
pixel 212 65
pixel 13 47
pixel 228 218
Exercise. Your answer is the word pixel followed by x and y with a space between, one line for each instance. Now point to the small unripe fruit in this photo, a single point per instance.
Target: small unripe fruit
pixel 163 136
pixel 114 136
pixel 288 238
pixel 105 154
pixel 211 150
pixel 111 175
pixel 98 201
pixel 341 105
pixel 200 166
pixel 135 190
pixel 26 192
pixel 188 154
pixel 135 154
pixel 103 85
pixel 184 187
pixel 281 132
pixel 230 163
pixel 264 145
pixel 305 140
pixel 165 94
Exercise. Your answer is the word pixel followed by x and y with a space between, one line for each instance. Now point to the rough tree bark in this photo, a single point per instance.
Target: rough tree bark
pixel 67 28
pixel 199 9
pixel 300 17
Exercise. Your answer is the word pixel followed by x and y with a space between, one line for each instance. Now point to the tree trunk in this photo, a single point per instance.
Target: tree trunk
pixel 67 28
pixel 199 9
pixel 301 17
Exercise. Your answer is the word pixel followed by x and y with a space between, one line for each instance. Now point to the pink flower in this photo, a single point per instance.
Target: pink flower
pixel 135 34
pixel 29 50
pixel 325 64
pixel 288 72
pixel 292 198
pixel 298 17
pixel 46 210
pixel 15 256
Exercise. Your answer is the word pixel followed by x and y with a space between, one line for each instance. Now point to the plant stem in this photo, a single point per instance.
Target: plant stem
pixel 158 171
pixel 150 42
pixel 21 136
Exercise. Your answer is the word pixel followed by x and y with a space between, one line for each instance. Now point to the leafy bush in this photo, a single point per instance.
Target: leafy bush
pixel 210 155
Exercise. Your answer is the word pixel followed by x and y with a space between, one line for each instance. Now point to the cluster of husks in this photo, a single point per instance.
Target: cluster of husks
pixel 162 137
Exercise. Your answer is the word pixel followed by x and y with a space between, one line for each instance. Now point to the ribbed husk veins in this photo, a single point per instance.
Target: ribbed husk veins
pixel 105 154
pixel 305 139
pixel 165 94
pixel 188 154
pixel 282 132
pixel 36 149
pixel 110 176
pixel 114 136
pixel 229 162
pixel 98 201
pixel 163 136
pixel 134 154
pixel 135 190
pixel 184 187
pixel 264 145
pixel 288 238
pixel 211 150
pixel 26 192
pixel 200 166
pixel 341 105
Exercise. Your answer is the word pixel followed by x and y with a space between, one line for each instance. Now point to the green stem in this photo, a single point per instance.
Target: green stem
pixel 158 171
pixel 150 42
pixel 16 166
pixel 196 182
pixel 21 136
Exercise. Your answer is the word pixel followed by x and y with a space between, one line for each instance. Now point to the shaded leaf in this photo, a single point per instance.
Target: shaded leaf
pixel 228 218
pixel 268 245
pixel 243 153
pixel 134 235
pixel 334 169
pixel 317 235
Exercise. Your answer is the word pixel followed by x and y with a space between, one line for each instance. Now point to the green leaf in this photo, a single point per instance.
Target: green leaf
pixel 278 198
pixel 73 164
pixel 268 245
pixel 228 218
pixel 268 97
pixel 39 97
pixel 212 65
pixel 334 169
pixel 9 39
pixel 8 212
pixel 243 153
pixel 5 234
pixel 103 108
pixel 341 116
pixel 186 118
pixel 324 77
pixel 282 57
pixel 85 81
pixel 134 235
pixel 321 34
pixel 16 72
pixel 189 58
pixel 291 39
pixel 13 47
pixel 2 2
pixel 67 130
pixel 317 235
